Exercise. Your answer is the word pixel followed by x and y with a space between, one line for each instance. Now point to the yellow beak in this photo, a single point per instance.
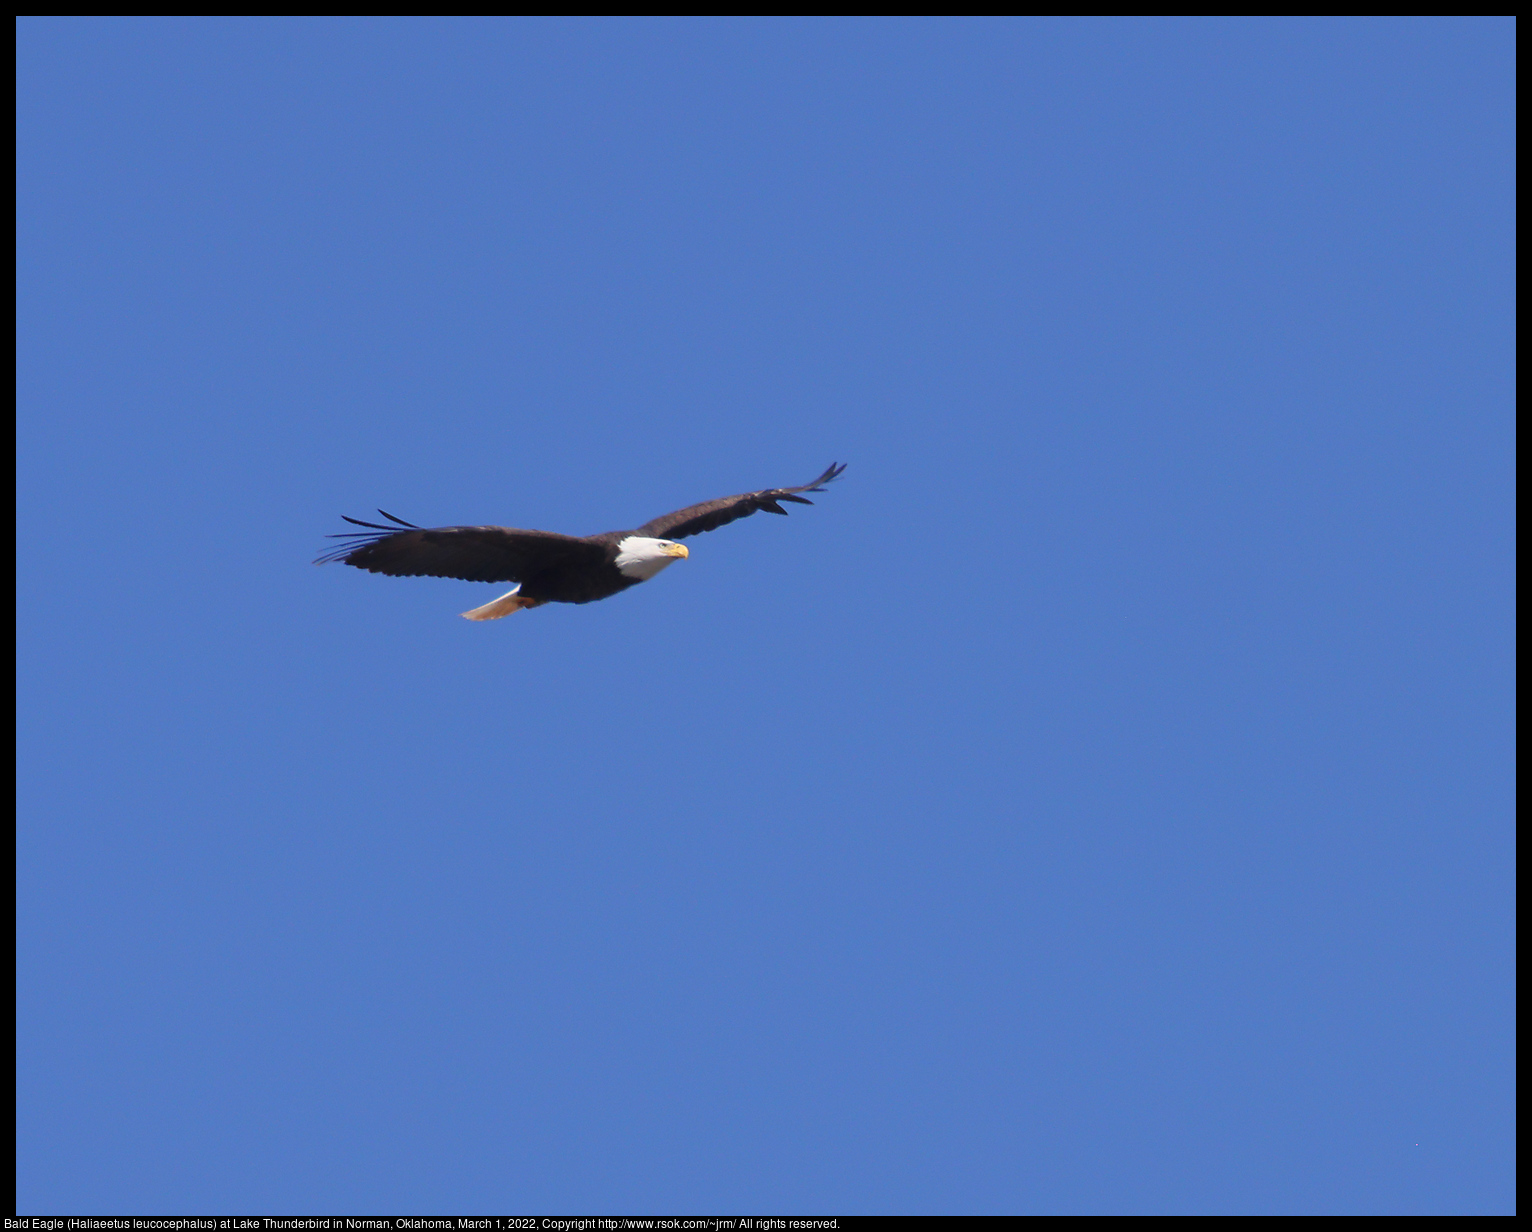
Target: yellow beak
pixel 678 550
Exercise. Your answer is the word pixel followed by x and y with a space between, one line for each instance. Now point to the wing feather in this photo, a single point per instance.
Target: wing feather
pixel 472 553
pixel 710 515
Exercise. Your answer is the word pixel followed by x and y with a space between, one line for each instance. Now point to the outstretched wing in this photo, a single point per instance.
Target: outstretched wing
pixel 710 515
pixel 473 553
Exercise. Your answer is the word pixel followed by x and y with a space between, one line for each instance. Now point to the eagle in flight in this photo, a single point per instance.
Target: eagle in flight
pixel 548 567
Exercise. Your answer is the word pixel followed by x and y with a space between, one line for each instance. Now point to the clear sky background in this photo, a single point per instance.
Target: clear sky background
pixel 1099 802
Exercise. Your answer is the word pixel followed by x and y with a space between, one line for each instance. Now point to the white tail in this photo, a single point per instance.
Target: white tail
pixel 503 606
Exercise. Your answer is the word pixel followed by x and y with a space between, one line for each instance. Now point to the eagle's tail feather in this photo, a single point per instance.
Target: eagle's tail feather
pixel 507 603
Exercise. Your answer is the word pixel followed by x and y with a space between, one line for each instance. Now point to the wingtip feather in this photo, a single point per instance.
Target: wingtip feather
pixel 830 476
pixel 401 521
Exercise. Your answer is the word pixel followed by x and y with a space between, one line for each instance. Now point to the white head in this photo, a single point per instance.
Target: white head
pixel 641 558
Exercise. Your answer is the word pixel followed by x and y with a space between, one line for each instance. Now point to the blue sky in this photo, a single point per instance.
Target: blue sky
pixel 1099 802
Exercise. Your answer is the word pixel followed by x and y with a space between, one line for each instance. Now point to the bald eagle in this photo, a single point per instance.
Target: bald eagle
pixel 548 567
